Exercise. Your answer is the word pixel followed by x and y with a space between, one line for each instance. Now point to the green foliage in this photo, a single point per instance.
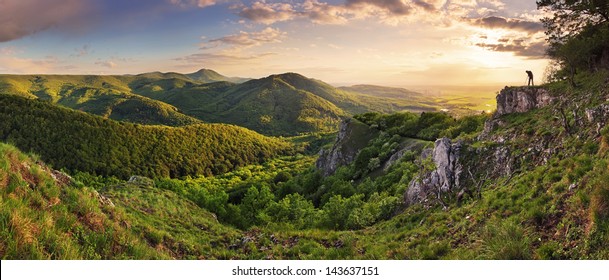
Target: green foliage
pixel 578 35
pixel 294 211
pixel 286 104
pixel 45 220
pixel 426 126
pixel 78 141
pixel 506 241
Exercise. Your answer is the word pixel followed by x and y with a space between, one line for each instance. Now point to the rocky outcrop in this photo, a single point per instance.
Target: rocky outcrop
pixel 445 177
pixel 598 116
pixel 103 200
pixel 352 137
pixel 395 158
pixel 408 147
pixel 140 180
pixel 521 99
pixel 515 100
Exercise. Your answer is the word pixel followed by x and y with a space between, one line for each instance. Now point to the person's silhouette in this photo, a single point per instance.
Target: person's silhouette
pixel 530 80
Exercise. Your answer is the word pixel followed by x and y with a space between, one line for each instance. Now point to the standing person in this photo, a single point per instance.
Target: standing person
pixel 530 75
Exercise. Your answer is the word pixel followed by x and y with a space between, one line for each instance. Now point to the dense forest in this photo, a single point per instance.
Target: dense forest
pixel 78 141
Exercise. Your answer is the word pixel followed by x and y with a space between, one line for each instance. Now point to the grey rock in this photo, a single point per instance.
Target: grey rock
pixel 598 116
pixel 503 161
pixel 514 100
pixel 346 147
pixel 446 176
pixel 103 200
pixel 140 180
pixel 394 158
pixel 521 99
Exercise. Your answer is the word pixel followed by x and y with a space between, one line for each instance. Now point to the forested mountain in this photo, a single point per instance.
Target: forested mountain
pixel 285 104
pixel 74 140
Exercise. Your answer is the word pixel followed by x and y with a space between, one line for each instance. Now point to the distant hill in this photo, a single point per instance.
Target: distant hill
pixel 284 104
pixel 210 76
pixel 74 140
pixel 380 91
pixel 107 96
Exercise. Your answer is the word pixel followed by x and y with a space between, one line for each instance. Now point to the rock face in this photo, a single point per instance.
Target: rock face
pixel 598 116
pixel 140 180
pixel 521 99
pixel 515 100
pixel 395 158
pixel 444 178
pixel 352 137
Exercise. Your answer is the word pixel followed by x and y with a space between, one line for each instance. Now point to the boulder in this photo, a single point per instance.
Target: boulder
pixel 445 177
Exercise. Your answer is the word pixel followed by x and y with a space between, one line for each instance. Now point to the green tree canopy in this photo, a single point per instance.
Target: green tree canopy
pixel 578 34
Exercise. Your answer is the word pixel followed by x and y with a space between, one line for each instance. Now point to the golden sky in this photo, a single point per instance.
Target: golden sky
pixel 385 42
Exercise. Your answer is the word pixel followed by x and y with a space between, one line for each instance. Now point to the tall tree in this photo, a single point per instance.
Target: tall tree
pixel 578 34
pixel 570 17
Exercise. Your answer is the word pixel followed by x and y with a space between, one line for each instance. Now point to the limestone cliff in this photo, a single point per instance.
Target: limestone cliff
pixel 352 137
pixel 521 99
pixel 515 100
pixel 457 167
pixel 444 177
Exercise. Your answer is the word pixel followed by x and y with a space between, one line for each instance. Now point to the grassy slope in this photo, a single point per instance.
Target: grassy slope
pixel 547 210
pixel 45 218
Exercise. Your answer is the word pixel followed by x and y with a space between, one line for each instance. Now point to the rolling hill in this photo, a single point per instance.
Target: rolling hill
pixel 107 96
pixel 284 104
pixel 75 140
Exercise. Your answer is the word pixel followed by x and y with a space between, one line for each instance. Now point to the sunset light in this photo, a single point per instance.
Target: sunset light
pixel 399 43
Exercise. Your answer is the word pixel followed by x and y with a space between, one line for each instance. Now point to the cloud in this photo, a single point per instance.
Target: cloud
pixel 395 7
pixel 222 59
pixel 324 13
pixel 519 47
pixel 197 3
pixel 507 23
pixel 249 39
pixel 268 13
pixel 106 63
pixel 10 50
pixel 83 51
pixel 11 64
pixel 20 18
pixel 387 11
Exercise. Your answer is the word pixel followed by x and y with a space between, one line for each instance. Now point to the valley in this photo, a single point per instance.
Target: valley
pixel 407 185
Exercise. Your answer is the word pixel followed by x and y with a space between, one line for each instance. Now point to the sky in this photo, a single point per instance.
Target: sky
pixel 384 42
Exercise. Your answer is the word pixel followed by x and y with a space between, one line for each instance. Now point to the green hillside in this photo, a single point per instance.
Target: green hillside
pixel 550 204
pixel 286 104
pixel 47 215
pixel 211 76
pixel 272 106
pixel 107 96
pixel 78 141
